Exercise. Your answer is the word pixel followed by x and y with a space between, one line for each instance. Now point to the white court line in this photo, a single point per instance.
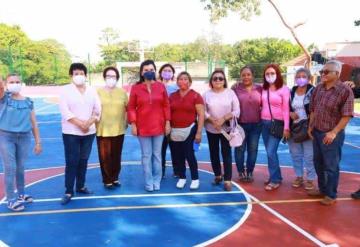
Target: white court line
pixel 40 109
pixel 351 145
pixel 2 244
pixel 140 195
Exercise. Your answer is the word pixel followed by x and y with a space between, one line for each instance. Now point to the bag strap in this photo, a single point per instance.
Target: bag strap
pixel 268 96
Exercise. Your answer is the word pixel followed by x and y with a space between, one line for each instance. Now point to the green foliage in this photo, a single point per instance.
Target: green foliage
pixel 357 23
pixel 38 62
pixel 220 8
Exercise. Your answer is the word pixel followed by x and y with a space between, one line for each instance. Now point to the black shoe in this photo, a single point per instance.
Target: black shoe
pixel 356 195
pixel 116 183
pixel 85 191
pixel 109 186
pixel 249 177
pixel 65 199
pixel 242 177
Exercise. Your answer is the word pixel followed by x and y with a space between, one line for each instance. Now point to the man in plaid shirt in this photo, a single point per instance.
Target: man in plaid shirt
pixel 331 108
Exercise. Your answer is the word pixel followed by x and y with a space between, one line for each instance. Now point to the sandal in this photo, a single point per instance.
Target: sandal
pixel 217 180
pixel 272 186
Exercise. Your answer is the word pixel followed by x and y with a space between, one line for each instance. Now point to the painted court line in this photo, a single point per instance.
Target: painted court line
pixel 40 109
pixel 140 195
pixel 351 145
pixel 2 244
pixel 189 205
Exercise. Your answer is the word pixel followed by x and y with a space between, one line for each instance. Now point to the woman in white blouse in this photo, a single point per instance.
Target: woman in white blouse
pixel 221 105
pixel 80 108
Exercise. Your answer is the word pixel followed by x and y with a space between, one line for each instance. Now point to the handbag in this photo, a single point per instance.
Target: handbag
pixel 299 131
pixel 180 134
pixel 277 126
pixel 236 136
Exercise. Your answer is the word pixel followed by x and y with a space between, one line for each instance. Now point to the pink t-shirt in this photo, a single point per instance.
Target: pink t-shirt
pixel 74 104
pixel 218 105
pixel 279 101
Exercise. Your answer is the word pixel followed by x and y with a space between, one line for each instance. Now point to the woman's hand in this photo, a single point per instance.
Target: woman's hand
pixel 198 137
pixel 134 131
pixel 294 116
pixel 286 134
pixel 37 148
pixel 167 128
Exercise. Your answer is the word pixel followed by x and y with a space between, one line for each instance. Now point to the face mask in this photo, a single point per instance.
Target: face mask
pixel 79 80
pixel 14 87
pixel 301 81
pixel 149 75
pixel 110 82
pixel 270 78
pixel 183 85
pixel 166 75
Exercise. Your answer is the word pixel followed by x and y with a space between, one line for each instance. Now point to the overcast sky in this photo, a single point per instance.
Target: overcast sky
pixel 78 24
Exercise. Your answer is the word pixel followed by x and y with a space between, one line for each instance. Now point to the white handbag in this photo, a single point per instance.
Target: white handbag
pixel 236 136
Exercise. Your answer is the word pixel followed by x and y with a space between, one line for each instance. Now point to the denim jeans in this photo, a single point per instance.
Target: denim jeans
pixel 14 149
pixel 77 151
pixel 302 155
pixel 214 141
pixel 326 160
pixel 151 160
pixel 250 144
pixel 271 146
pixel 181 151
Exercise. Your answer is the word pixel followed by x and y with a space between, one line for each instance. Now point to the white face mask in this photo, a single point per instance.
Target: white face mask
pixel 79 80
pixel 14 87
pixel 110 82
pixel 270 78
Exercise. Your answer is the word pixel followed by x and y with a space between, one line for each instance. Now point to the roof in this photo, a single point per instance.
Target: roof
pixel 298 61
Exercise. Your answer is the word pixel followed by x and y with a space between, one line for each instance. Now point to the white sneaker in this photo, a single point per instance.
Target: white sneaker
pixel 181 183
pixel 194 184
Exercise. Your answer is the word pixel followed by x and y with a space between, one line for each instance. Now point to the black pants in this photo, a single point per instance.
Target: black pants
pixel 214 141
pixel 181 151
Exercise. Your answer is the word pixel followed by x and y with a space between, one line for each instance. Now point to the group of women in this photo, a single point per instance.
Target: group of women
pixel 162 112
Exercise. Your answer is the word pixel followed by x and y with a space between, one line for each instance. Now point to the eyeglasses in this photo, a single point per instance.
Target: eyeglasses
pixel 326 72
pixel 110 77
pixel 14 82
pixel 218 78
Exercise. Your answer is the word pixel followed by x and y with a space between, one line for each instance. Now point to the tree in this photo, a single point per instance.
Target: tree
pixel 357 23
pixel 247 8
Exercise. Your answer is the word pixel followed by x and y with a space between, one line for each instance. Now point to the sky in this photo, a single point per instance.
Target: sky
pixel 78 24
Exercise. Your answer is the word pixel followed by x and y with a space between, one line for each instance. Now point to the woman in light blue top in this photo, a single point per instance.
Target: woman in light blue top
pixel 17 120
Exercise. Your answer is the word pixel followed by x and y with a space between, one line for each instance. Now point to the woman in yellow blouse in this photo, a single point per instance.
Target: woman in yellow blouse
pixel 111 128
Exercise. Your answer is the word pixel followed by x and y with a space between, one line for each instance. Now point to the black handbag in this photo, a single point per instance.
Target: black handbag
pixel 277 126
pixel 299 131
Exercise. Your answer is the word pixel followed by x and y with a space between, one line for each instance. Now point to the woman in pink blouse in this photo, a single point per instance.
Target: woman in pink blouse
pixel 275 106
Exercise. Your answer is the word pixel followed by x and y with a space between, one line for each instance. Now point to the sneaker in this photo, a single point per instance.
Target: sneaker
pixel 15 206
pixel 25 198
pixel 227 186
pixel 309 185
pixel 297 182
pixel 84 191
pixel 66 199
pixel 328 201
pixel 356 195
pixel 156 187
pixel 195 184
pixel 181 183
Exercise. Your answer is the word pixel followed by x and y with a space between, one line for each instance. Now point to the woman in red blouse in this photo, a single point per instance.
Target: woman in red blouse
pixel 149 116
pixel 187 121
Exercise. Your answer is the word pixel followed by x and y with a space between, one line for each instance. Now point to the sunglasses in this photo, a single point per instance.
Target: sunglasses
pixel 326 72
pixel 218 78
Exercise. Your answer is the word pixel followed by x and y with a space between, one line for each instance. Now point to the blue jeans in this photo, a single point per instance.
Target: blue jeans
pixel 271 146
pixel 14 149
pixel 214 140
pixel 302 155
pixel 151 160
pixel 326 160
pixel 77 152
pixel 251 143
pixel 181 151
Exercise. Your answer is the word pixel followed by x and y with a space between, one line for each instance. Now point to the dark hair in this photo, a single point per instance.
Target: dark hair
pixel 163 67
pixel 113 69
pixel 11 74
pixel 143 64
pixel 77 66
pixel 249 68
pixel 215 72
pixel 279 82
pixel 184 73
